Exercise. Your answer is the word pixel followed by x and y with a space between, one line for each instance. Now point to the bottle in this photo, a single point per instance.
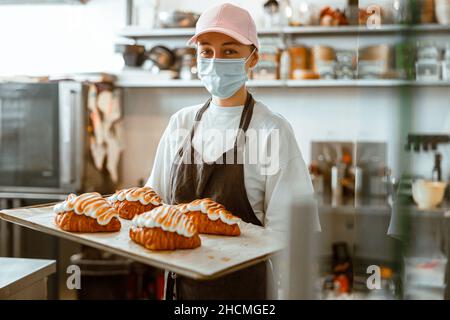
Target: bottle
pixel 352 12
pixel 358 174
pixel 271 14
pixel 337 174
pixel 285 64
pixel 446 64
pixel 436 174
pixel 285 13
pixel 342 267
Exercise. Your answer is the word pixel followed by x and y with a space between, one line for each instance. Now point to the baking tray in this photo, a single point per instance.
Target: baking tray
pixel 217 256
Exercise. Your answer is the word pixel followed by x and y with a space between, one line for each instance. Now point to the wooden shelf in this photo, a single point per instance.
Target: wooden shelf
pixel 142 32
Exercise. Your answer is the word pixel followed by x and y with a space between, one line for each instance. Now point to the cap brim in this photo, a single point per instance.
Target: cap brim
pixel 228 32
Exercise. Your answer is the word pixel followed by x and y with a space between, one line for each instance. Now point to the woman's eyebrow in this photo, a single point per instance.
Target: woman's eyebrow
pixel 204 43
pixel 231 43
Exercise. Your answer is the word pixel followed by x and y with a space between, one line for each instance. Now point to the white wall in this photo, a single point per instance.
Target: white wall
pixel 54 39
pixel 347 114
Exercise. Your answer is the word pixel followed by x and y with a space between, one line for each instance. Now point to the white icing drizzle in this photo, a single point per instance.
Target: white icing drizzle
pixel 167 218
pixel 213 209
pixel 144 195
pixel 91 204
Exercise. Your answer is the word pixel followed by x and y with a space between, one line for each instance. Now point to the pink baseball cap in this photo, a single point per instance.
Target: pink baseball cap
pixel 230 20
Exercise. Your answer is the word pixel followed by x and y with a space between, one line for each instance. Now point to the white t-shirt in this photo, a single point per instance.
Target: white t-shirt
pixel 271 183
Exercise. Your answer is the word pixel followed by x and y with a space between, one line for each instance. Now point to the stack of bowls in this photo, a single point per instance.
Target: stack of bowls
pixel 428 194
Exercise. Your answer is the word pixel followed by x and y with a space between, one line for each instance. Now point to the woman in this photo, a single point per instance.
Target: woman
pixel 196 164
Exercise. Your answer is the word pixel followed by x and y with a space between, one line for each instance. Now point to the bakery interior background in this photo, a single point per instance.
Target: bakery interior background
pixel 367 114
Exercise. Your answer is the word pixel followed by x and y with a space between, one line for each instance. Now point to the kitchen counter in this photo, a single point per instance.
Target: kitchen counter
pixel 381 207
pixel 24 278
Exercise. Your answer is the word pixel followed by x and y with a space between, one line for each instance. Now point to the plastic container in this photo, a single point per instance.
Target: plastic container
pixel 424 271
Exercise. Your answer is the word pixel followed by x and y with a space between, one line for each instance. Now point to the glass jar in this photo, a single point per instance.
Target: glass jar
pixel 427 64
pixel 446 64
pixel 271 14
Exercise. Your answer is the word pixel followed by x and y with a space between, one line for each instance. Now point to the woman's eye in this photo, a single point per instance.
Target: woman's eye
pixel 205 52
pixel 230 52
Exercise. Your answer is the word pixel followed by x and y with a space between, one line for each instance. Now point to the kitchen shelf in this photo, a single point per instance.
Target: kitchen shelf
pixel 365 30
pixel 142 32
pixel 436 213
pixel 175 83
pixel 352 210
pixel 364 83
pixel 130 83
pixel 345 83
pixel 385 210
pixel 141 82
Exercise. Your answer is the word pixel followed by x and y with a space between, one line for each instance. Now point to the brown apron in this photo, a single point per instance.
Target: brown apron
pixel 223 182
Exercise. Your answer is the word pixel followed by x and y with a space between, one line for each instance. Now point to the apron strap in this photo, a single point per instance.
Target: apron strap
pixel 199 114
pixel 247 112
pixel 170 286
pixel 246 117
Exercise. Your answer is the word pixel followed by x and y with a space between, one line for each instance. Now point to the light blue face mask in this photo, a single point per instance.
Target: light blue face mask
pixel 222 77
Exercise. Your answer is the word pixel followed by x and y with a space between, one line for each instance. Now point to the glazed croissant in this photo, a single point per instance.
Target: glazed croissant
pixel 88 212
pixel 133 201
pixel 70 221
pixel 164 228
pixel 211 217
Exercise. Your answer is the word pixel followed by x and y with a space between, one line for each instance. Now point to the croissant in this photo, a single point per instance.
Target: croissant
pixel 211 217
pixel 158 239
pixel 164 228
pixel 70 221
pixel 134 201
pixel 207 226
pixel 88 212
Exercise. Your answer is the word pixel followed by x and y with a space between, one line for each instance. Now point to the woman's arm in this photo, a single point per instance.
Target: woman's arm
pixel 290 185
